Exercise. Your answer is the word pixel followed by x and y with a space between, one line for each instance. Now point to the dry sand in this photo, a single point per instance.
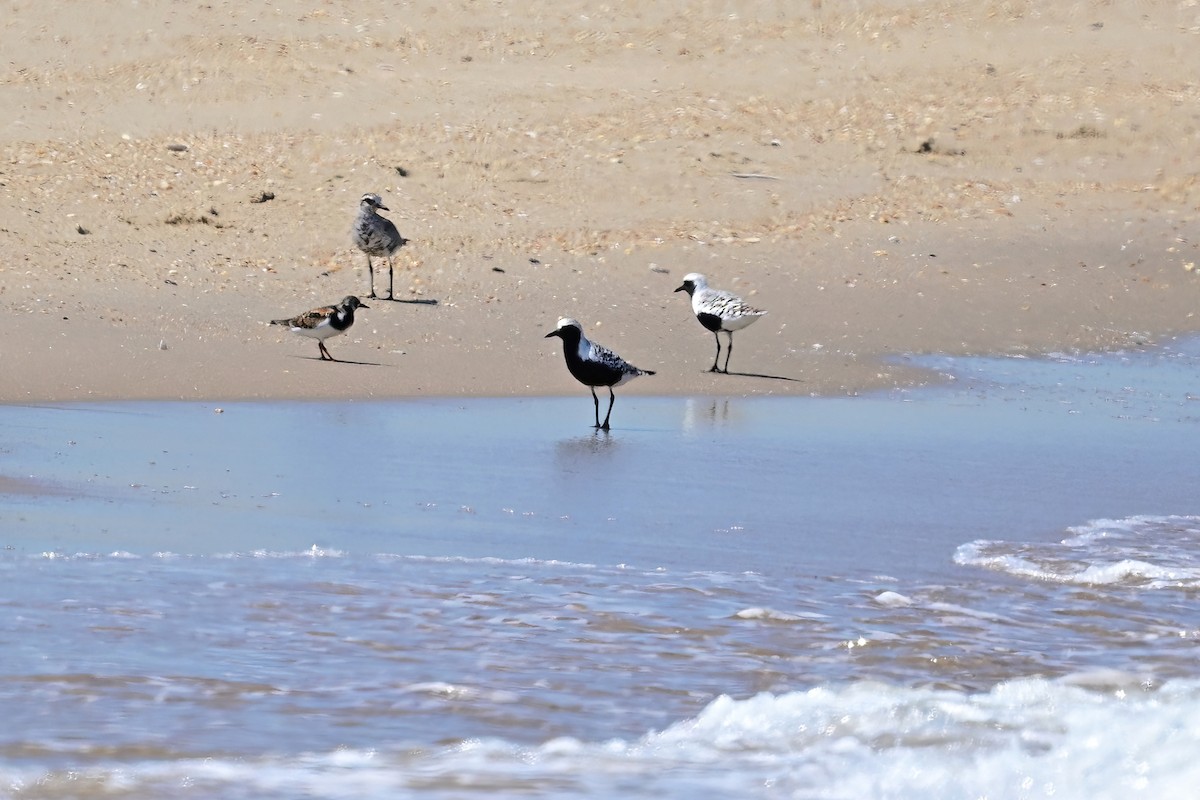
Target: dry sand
pixel 883 177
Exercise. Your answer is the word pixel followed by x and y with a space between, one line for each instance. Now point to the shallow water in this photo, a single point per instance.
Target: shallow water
pixel 985 588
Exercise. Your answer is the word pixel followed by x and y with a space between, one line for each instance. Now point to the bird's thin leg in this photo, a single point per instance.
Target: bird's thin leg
pixel 322 351
pixel 717 359
pixel 391 289
pixel 371 269
pixel 596 403
pixel 612 398
pixel 728 352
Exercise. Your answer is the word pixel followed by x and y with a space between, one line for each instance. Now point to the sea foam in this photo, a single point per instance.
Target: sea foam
pixel 1153 552
pixel 1023 738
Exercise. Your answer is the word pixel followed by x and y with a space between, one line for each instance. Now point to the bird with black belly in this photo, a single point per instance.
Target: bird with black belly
pixel 594 365
pixel 718 311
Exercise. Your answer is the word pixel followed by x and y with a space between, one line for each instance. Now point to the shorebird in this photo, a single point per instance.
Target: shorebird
pixel 376 236
pixel 321 323
pixel 718 311
pixel 594 365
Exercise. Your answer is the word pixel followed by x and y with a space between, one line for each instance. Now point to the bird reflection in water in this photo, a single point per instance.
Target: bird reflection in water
pixel 706 412
pixel 578 453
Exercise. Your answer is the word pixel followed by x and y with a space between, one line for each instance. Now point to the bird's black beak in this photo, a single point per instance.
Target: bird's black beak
pixel 552 333
pixel 382 207
pixel 682 288
pixel 361 304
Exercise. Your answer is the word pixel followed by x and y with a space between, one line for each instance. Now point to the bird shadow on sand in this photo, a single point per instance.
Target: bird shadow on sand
pixel 760 375
pixel 343 361
pixel 416 301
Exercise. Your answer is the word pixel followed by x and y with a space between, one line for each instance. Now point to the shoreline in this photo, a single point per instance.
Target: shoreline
pixel 835 328
pixel 876 187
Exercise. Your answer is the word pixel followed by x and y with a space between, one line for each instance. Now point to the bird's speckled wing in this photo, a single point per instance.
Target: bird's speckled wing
pixel 311 319
pixel 602 355
pixel 376 235
pixel 724 305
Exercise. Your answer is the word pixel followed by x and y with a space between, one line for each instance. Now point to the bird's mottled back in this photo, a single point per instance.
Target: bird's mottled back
pixel 717 302
pixel 375 235
pixel 599 354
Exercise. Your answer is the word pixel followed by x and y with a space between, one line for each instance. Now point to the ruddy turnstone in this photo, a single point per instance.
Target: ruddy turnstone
pixel 594 365
pixel 718 311
pixel 321 323
pixel 376 236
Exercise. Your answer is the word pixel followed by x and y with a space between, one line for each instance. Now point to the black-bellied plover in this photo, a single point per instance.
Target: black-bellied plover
pixel 718 311
pixel 594 365
pixel 376 236
pixel 321 323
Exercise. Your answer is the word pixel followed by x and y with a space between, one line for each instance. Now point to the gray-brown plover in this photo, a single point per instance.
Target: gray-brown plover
pixel 376 236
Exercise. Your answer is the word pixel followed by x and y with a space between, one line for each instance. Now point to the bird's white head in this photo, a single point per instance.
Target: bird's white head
pixel 568 330
pixel 373 201
pixel 692 282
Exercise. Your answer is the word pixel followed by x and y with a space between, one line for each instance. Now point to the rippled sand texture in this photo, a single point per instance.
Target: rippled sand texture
pixel 882 176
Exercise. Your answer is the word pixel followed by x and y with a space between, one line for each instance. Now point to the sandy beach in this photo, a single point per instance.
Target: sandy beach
pixel 882 177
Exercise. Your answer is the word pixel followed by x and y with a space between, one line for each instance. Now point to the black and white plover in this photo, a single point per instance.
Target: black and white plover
pixel 718 311
pixel 376 236
pixel 594 365
pixel 321 323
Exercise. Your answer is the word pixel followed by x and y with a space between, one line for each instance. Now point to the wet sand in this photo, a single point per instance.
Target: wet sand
pixel 883 177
